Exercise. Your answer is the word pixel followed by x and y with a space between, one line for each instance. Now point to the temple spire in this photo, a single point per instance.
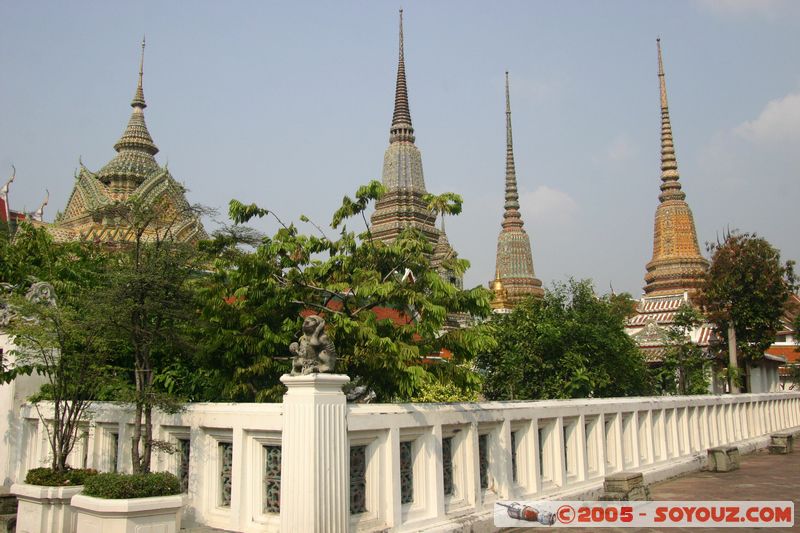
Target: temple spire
pixel 670 186
pixel 677 265
pixel 138 98
pixel 136 136
pixel 515 278
pixel 511 216
pixel 401 129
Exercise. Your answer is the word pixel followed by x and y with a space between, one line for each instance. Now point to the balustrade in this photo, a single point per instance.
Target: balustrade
pixel 412 466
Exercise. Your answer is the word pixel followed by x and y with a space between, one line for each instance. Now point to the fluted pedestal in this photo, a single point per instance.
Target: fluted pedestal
pixel 314 457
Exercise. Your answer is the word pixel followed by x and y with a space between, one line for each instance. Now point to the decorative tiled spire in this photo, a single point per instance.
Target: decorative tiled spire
pixel 134 161
pixel 138 98
pixel 670 186
pixel 514 269
pixel 401 129
pixel 511 216
pixel 677 265
pixel 402 206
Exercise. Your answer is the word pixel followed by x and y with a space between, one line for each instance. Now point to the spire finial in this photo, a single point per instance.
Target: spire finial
pixel 511 216
pixel 138 99
pixel 401 129
pixel 662 83
pixel 670 186
pixel 401 33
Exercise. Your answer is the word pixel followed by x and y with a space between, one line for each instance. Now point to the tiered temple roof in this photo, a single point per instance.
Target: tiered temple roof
pixel 653 315
pixel 514 268
pixel 132 174
pixel 402 205
pixel 677 265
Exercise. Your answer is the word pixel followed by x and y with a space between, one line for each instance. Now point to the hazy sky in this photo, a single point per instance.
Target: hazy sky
pixel 289 104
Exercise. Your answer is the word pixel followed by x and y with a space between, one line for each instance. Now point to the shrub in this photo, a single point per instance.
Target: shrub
pixel 117 486
pixel 50 478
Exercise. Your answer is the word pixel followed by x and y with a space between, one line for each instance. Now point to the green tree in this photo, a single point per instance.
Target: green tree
pixel 384 305
pixel 747 285
pixel 685 367
pixel 569 344
pixel 145 304
pixel 56 342
pixel 447 203
pixel 794 368
pixel 49 325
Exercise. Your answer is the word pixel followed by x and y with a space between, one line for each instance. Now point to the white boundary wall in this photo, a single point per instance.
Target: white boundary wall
pixel 561 448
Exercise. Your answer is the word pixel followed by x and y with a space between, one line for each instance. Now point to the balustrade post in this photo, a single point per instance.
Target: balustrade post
pixel 315 455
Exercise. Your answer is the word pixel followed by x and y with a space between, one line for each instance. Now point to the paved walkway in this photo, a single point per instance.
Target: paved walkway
pixel 761 477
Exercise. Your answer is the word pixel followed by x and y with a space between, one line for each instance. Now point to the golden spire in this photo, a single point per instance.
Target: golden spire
pixel 677 265
pixel 670 186
pixel 500 302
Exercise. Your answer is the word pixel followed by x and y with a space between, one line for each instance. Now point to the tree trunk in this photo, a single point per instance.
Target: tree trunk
pixel 148 438
pixel 732 364
pixel 137 437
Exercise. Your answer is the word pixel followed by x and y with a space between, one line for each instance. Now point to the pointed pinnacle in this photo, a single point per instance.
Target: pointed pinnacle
pixel 138 99
pixel 670 186
pixel 401 129
pixel 511 216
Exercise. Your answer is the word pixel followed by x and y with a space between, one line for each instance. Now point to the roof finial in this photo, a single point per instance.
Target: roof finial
pixel 670 186
pixel 511 217
pixel 4 190
pixel 401 129
pixel 39 214
pixel 138 99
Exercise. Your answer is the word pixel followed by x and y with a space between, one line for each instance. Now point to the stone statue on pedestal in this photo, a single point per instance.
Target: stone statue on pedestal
pixel 315 352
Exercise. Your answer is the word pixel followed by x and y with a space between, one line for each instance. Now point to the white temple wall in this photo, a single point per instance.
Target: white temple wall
pixel 12 396
pixel 399 477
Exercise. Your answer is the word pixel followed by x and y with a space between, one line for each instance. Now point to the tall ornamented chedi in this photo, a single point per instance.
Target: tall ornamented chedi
pixel 677 269
pixel 514 272
pixel 133 174
pixel 402 205
pixel 677 265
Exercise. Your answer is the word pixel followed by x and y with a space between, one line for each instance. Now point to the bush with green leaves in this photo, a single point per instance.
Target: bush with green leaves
pixel 569 344
pixel 382 319
pixel 69 477
pixel 117 486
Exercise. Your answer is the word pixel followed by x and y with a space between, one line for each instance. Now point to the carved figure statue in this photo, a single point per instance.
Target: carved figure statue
pixel 315 351
pixel 41 292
